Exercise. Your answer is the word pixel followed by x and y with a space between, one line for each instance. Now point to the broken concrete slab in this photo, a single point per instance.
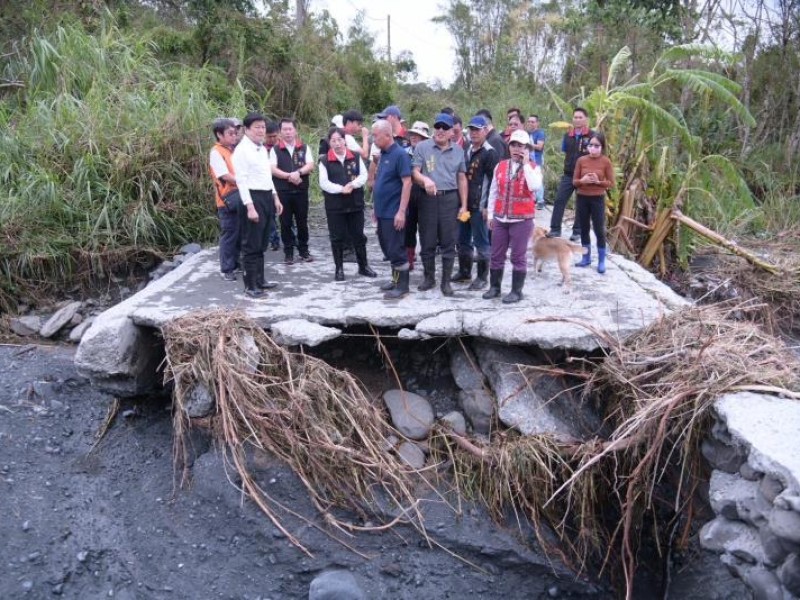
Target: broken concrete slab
pixel 294 332
pixel 533 404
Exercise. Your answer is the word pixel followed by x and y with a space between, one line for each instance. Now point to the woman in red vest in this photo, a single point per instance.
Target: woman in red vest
pixel 511 207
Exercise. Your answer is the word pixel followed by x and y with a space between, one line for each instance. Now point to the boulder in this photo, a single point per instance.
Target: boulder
pixel 335 585
pixel 27 325
pixel 736 498
pixel 732 537
pixel 785 524
pixel 465 368
pixel 723 457
pixel 478 406
pixel 192 248
pixel 199 401
pixel 411 414
pixel 533 403
pixel 765 584
pixel 77 332
pixel 411 454
pixel 455 421
pixel 790 574
pixel 63 316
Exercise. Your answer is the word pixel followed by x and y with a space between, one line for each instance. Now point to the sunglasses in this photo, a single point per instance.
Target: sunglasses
pixel 442 126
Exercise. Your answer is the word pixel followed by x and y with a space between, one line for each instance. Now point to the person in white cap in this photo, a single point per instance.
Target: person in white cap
pixel 511 207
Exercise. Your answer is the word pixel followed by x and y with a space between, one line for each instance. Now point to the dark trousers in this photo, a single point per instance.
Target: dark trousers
pixel 295 208
pixel 412 219
pixel 255 236
pixel 594 208
pixel 565 191
pixel 230 240
pixel 474 235
pixel 438 220
pixel 393 243
pixel 346 227
pixel 513 235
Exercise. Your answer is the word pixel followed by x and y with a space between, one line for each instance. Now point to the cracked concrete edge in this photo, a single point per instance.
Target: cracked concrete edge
pixel 650 283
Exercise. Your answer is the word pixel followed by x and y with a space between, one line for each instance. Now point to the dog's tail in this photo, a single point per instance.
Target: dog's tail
pixel 579 249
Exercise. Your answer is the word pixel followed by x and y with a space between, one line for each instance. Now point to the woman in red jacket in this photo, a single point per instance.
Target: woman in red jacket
pixel 594 175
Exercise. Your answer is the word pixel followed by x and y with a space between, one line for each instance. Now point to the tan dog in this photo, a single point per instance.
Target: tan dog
pixel 545 248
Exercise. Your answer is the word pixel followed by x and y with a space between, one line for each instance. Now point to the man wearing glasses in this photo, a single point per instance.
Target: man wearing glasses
pixel 438 166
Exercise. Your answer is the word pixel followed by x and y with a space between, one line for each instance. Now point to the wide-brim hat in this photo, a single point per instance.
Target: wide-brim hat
pixel 420 128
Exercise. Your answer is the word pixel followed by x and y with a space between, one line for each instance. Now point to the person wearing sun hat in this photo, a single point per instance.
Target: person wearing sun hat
pixel 419 132
pixel 438 166
pixel 511 208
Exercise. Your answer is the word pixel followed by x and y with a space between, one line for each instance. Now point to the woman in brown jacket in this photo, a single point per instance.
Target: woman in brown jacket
pixel 594 175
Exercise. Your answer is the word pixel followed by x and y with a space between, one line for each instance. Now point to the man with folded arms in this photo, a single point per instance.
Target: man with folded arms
pixel 438 166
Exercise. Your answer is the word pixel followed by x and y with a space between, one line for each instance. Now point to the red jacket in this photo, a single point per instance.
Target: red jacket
pixel 514 199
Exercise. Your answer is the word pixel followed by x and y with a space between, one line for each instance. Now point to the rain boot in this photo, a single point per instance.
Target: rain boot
pixel 391 284
pixel 495 279
pixel 338 262
pixel 601 260
pixel 517 282
pixel 464 269
pixel 587 258
pixel 399 290
pixel 480 279
pixel 429 281
pixel 447 271
pixel 363 265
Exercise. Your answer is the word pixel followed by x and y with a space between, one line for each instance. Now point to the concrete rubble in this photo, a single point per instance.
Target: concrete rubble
pixel 757 502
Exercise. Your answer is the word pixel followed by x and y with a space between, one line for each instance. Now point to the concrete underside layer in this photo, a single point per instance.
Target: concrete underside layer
pixel 308 307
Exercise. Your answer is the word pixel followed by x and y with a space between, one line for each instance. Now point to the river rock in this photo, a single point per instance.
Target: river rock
pixel 59 319
pixel 455 421
pixel 723 457
pixel 765 584
pixel 770 487
pixel 478 406
pixel 77 333
pixel 411 414
pixel 785 524
pixel 465 368
pixel 27 325
pixel 192 248
pixel 733 537
pixel 411 454
pixel 533 404
pixel 335 585
pixel 199 401
pixel 790 574
pixel 775 549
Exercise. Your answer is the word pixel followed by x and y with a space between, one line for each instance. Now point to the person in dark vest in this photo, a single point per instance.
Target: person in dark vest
pixel 574 145
pixel 220 160
pixel 512 206
pixel 473 235
pixel 254 181
pixel 292 162
pixel 342 176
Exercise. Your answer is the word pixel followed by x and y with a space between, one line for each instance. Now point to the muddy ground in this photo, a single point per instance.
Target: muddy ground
pixel 89 518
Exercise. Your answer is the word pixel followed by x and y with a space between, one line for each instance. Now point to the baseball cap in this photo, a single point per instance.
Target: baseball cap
pixel 390 110
pixel 478 122
pixel 337 121
pixel 444 119
pixel 520 137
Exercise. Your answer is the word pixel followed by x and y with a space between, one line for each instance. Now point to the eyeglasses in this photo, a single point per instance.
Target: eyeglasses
pixel 594 146
pixel 442 126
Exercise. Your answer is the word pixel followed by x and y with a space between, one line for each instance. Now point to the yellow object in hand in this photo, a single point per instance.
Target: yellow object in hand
pixel 464 218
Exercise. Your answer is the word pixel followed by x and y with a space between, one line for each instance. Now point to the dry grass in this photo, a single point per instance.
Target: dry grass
pixel 292 406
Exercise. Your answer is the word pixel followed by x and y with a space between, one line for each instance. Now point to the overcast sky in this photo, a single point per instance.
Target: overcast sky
pixel 412 30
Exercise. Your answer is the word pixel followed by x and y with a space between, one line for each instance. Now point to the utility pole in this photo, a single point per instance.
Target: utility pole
pixel 389 37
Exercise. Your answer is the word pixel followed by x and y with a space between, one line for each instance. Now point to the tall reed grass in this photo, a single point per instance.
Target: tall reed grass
pixel 102 158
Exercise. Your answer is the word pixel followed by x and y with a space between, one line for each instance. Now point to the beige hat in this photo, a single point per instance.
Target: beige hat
pixel 337 121
pixel 521 137
pixel 420 128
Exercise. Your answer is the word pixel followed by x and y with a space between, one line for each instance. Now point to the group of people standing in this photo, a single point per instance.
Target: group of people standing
pixel 472 197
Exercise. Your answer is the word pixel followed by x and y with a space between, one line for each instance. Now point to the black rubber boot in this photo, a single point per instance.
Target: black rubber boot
pixel 480 279
pixel 464 269
pixel 391 284
pixel 338 262
pixel 447 272
pixel 495 279
pixel 429 281
pixel 363 265
pixel 517 283
pixel 401 289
